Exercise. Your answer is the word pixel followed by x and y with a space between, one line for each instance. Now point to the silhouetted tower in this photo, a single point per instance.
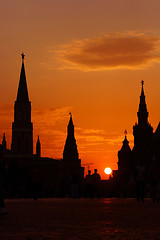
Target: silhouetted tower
pixel 71 162
pixel 142 132
pixel 125 168
pixel 125 156
pixel 22 127
pixel 70 153
pixel 38 148
pixel 4 142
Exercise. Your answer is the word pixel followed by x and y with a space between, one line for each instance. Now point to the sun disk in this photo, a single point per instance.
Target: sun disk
pixel 107 170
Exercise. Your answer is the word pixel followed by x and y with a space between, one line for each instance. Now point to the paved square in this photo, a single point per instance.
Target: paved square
pixel 47 219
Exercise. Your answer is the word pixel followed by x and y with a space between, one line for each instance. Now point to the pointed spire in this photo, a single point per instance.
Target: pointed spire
pixel 70 127
pixel 38 148
pixel 142 97
pixel 70 120
pixel 142 111
pixel 38 139
pixel 70 148
pixel 22 95
pixel 124 155
pixel 4 141
pixel 125 141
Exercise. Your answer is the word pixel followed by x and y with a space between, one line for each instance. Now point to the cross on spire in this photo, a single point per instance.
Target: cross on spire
pixel 22 55
pixel 142 82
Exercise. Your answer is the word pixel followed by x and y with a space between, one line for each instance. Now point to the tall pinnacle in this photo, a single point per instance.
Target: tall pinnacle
pixel 22 127
pixel 142 97
pixel 125 149
pixel 142 111
pixel 70 148
pixel 38 148
pixel 4 141
pixel 22 95
pixel 70 127
pixel 22 54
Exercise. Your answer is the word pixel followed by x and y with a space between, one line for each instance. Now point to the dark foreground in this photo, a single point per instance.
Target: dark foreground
pixel 80 219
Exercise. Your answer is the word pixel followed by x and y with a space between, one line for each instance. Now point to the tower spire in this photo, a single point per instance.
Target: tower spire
pixel 124 156
pixel 22 95
pixel 38 148
pixel 22 54
pixel 142 111
pixel 142 132
pixel 71 164
pixel 4 142
pixel 70 149
pixel 22 127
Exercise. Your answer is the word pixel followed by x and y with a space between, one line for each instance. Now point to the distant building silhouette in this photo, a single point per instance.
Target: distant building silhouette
pixel 70 154
pixel 22 127
pixel 124 156
pixel 21 160
pixel 146 144
pixel 143 133
pixel 125 168
pixel 71 162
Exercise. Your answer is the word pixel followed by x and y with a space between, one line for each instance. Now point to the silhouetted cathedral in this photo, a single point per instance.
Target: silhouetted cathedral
pixel 22 163
pixel 146 146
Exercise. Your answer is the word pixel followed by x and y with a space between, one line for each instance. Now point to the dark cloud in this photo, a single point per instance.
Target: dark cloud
pixel 111 51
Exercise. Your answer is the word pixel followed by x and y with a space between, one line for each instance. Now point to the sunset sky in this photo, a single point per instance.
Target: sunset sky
pixel 86 57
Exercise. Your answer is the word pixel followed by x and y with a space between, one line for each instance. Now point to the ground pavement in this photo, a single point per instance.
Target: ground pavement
pixel 69 219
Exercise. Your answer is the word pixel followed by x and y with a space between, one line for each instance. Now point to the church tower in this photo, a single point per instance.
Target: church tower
pixel 22 127
pixel 71 163
pixel 142 132
pixel 70 153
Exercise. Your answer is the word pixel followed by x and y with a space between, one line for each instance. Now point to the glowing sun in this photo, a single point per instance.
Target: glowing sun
pixel 107 170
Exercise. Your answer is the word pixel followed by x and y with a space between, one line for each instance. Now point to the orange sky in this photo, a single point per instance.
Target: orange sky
pixel 87 57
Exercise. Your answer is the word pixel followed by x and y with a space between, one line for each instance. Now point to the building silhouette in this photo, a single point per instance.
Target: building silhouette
pixel 146 146
pixel 143 133
pixel 71 162
pixel 20 158
pixel 64 177
pixel 22 127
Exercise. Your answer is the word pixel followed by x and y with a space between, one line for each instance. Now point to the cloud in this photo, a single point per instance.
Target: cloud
pixel 98 137
pixel 110 51
pixel 49 117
